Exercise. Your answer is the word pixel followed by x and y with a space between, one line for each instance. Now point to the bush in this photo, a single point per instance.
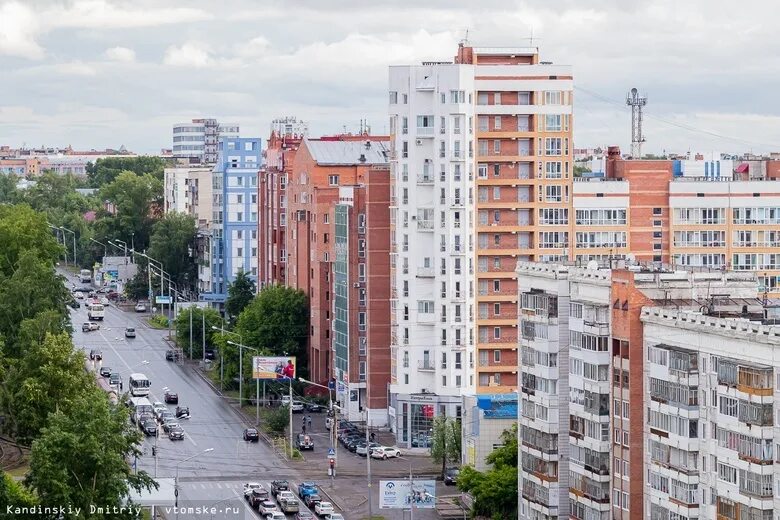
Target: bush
pixel 158 321
pixel 276 420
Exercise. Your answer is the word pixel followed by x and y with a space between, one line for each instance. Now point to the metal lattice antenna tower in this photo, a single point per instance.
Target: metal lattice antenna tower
pixel 636 102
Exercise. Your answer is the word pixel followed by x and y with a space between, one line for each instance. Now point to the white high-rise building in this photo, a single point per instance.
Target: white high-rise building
pixel 196 142
pixel 432 246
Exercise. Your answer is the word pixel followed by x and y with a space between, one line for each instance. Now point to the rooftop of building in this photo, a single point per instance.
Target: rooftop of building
pixel 327 151
pixel 722 324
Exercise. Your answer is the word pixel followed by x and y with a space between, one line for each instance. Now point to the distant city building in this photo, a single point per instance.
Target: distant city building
pixel 197 141
pixel 232 237
pixel 33 161
pixel 188 190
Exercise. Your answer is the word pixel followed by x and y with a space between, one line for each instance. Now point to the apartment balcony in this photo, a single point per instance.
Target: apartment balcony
pixel 426 318
pixel 595 328
pixel 425 179
pixel 425 225
pixel 426 366
pixel 426 272
pixel 425 131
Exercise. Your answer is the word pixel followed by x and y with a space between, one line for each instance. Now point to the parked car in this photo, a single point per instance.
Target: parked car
pixel 89 326
pixel 306 488
pixel 140 307
pixel 129 332
pixel 451 476
pixel 114 379
pixel 312 500
pixel 334 516
pixel 285 401
pixel 279 486
pixel 176 433
pixel 165 416
pixel 352 444
pixel 168 424
pixel 78 295
pixel 171 397
pixel 95 354
pixel 275 515
pixel 257 496
pixel 385 452
pixel 210 354
pixel 315 408
pixel 160 410
pixel 171 355
pixel 324 508
pixel 304 442
pixel 73 304
pixel 284 495
pixel 251 435
pixel 149 427
pixel 304 515
pixel 289 505
pixel 105 371
pixel 363 449
pixel 297 407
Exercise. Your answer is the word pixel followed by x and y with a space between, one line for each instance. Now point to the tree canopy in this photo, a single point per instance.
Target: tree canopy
pixel 495 490
pixel 446 441
pixel 240 293
pixel 212 319
pixel 173 243
pixel 105 170
pixel 134 198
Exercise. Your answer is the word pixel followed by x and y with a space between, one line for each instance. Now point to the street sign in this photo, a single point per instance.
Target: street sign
pixel 163 300
pixel 331 452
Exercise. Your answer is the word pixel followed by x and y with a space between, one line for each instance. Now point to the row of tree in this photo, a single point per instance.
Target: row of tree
pixel 274 321
pixel 79 443
pixel 127 206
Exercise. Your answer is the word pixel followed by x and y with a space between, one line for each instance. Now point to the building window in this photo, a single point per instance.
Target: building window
pixel 657 211
pixel 333 180
pixel 362 371
pixel 497 356
pixel 361 272
pixel 362 321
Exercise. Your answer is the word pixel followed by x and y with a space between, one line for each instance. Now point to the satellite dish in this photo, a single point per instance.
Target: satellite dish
pixel 630 258
pixel 593 265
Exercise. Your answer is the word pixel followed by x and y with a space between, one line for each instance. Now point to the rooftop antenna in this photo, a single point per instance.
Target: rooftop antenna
pixel 636 102
pixel 532 36
pixel 465 40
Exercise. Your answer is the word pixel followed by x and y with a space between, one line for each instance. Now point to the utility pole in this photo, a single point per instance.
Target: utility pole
pixel 191 309
pixel 636 102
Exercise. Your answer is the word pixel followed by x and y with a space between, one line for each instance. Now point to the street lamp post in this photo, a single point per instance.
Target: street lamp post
pixel 221 356
pixel 124 244
pixel 55 228
pixel 105 247
pixel 176 481
pixel 63 228
pixel 257 381
pixel 334 427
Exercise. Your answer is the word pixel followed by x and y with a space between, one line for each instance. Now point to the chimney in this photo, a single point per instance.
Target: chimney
pixel 613 155
pixel 368 145
pixel 362 158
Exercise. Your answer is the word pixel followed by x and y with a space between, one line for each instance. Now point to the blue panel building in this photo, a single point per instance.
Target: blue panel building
pixel 234 220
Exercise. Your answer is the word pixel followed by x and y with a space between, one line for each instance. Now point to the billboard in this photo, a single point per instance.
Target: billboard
pixel 279 367
pixel 401 494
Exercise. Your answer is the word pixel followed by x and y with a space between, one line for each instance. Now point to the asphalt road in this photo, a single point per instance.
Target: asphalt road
pixel 212 424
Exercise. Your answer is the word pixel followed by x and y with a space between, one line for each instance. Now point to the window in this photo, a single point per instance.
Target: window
pixel 497 356
pixel 393 97
pixel 658 211
pixel 552 97
pixel 552 146
pixel 361 272
pixel 333 180
pixel 361 321
pixel 553 123
pixel 240 199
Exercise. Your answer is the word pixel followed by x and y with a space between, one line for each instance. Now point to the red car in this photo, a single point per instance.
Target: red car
pixel 171 398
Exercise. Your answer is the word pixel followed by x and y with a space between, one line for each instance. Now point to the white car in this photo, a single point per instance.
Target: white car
pixel 324 508
pixel 275 515
pixel 140 307
pixel 104 301
pixel 297 406
pixel 79 295
pixel 251 486
pixel 285 400
pixel 384 452
pixel 335 516
pixel 266 506
pixel 285 495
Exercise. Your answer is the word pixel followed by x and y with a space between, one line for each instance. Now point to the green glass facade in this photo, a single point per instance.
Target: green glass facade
pixel 341 291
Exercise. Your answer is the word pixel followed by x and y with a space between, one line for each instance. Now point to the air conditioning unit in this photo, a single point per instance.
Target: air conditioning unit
pixel 424 391
pixel 418 142
pixel 356 284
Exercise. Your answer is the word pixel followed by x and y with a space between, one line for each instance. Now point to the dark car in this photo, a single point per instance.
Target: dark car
pixel 171 398
pixel 74 304
pixel 304 515
pixel 304 442
pixel 95 355
pixel 279 485
pixel 250 434
pixel 176 433
pixel 352 444
pixel 451 476
pixel 210 354
pixel 149 427
pixel 182 412
pixel 311 500
pixel 315 408
pixel 171 355
pixel 166 415
pixel 105 371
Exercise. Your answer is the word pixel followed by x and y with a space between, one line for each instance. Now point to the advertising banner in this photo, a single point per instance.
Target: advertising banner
pixel 278 367
pixel 401 494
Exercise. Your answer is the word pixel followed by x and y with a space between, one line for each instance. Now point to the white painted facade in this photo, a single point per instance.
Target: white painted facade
pixel 432 142
pixel 711 390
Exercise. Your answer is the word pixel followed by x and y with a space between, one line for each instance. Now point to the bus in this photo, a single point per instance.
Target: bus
pixel 95 311
pixel 139 385
pixel 85 276
pixel 138 406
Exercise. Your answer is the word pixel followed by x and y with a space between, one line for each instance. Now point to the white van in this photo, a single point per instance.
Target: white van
pixel 85 276
pixel 96 311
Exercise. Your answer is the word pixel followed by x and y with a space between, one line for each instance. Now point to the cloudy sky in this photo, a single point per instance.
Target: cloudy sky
pixel 102 73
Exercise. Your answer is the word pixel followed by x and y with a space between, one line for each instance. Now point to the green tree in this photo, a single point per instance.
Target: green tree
pixel 13 494
pixel 23 230
pixel 579 170
pixel 134 198
pixel 240 293
pixel 212 319
pixel 445 442
pixel 8 192
pixel 276 321
pixel 47 378
pixel 276 420
pixel 104 171
pixel 81 457
pixel 495 490
pixel 173 244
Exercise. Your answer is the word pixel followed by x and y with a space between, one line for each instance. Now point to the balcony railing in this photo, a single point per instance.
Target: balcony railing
pixel 426 365
pixel 425 225
pixel 425 272
pixel 424 179
pixel 425 130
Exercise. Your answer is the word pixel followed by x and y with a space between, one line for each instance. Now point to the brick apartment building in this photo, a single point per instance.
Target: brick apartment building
pixel 286 136
pixel 344 177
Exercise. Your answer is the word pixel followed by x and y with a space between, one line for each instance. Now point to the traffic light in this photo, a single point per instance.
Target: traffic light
pixel 332 462
pixel 154 451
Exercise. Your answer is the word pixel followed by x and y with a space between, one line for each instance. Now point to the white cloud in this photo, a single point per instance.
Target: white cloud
pixel 256 47
pixel 18 28
pixel 100 14
pixel 188 54
pixel 122 54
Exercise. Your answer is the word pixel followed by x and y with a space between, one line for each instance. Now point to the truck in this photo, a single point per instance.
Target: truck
pixel 85 276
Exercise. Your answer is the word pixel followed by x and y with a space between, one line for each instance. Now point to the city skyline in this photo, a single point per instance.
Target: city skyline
pixel 74 70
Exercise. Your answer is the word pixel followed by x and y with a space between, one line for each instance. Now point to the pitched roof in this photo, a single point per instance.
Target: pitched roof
pixel 348 152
